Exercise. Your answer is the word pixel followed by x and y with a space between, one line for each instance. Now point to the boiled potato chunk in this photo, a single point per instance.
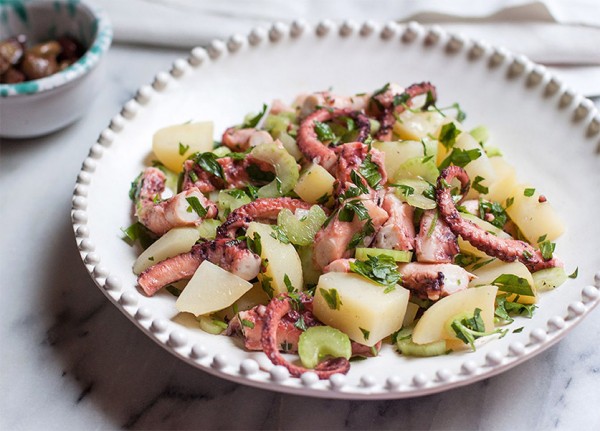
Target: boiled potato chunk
pixel 248 300
pixel 506 179
pixel 314 184
pixel 364 311
pixel 490 272
pixel 280 260
pixel 173 144
pixel 210 289
pixel 466 247
pixel 534 218
pixel 176 241
pixel 432 326
pixel 417 125
pixel 398 152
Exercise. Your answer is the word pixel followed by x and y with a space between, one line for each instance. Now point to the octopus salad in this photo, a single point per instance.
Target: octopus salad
pixel 333 225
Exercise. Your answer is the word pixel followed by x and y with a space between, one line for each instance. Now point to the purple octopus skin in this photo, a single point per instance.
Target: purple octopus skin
pixel 385 108
pixel 506 249
pixel 231 255
pixel 309 143
pixel 276 309
pixel 260 209
pixel 435 243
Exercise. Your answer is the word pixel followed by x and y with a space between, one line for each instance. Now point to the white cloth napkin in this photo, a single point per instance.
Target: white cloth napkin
pixel 552 32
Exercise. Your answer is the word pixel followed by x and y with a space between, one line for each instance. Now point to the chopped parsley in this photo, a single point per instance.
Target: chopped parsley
pixel 288 284
pixel 547 248
pixel 257 175
pixel 528 192
pixel 506 309
pixel 478 187
pixel 279 235
pixel 172 290
pixel 365 333
pixel 460 157
pixel 332 297
pixel 265 284
pixel 575 273
pixel 468 329
pixel 138 232
pixel 370 171
pixel 196 206
pixel 513 284
pixel 381 269
pixel 183 149
pixel 367 230
pixel 353 207
pixel 253 121
pixel 300 323
pixel 208 162
pixel 247 323
pixel 448 135
pixel 324 132
pixel 254 244
pixel 495 209
pixel 509 202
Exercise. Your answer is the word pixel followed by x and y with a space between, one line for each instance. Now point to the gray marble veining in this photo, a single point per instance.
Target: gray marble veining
pixel 70 360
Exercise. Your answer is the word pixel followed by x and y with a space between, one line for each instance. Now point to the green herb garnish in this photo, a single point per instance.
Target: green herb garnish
pixel 196 206
pixel 381 269
pixel 332 297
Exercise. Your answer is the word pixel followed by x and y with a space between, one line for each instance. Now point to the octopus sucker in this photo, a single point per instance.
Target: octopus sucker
pixel 506 249
pixel 434 281
pixel 309 143
pixel 385 106
pixel 160 216
pixel 231 255
pixel 276 309
pixel 260 209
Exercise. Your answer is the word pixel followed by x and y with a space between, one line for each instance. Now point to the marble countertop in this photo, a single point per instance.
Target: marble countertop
pixel 70 360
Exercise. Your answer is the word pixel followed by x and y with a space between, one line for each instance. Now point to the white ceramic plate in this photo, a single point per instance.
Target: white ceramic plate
pixel 545 130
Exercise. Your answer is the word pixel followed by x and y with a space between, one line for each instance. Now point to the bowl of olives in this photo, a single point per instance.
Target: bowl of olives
pixel 51 64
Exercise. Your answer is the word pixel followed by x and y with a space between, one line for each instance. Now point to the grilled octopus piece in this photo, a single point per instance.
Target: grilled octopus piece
pixel 385 107
pixel 234 172
pixel 309 143
pixel 260 209
pixel 275 311
pixel 231 255
pixel 506 249
pixel 435 243
pixel 161 215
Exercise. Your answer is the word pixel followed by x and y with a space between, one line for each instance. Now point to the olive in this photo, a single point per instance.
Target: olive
pixel 38 67
pixel 11 50
pixel 71 49
pixel 47 49
pixel 12 76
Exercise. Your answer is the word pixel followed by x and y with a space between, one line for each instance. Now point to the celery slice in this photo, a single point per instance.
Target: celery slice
pixel 548 279
pixel 408 348
pixel 228 200
pixel 310 271
pixel 221 151
pixel 286 170
pixel 419 167
pixel 211 325
pixel 301 231
pixel 362 253
pixel 411 191
pixel 480 133
pixel 208 228
pixel 318 342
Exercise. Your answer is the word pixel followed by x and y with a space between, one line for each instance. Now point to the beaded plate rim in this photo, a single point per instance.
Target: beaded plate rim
pixel 582 112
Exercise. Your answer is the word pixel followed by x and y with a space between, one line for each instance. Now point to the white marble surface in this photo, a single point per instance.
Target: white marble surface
pixel 70 360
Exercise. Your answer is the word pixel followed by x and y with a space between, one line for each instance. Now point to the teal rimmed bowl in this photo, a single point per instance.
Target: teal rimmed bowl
pixel 42 106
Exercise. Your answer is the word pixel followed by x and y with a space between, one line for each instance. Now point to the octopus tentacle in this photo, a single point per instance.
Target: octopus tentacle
pixel 277 308
pixel 350 157
pixel 506 249
pixel 386 107
pixel 309 143
pixel 260 209
pixel 231 255
pixel 235 174
pixel 160 216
